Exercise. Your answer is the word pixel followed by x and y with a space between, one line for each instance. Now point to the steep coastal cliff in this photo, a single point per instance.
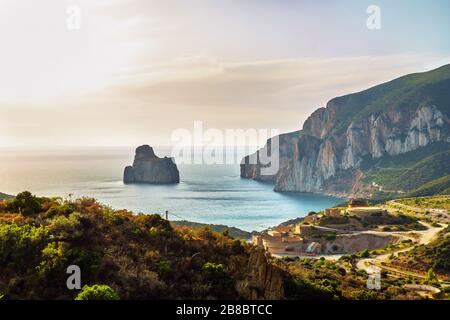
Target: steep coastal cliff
pixel 149 168
pixel 339 144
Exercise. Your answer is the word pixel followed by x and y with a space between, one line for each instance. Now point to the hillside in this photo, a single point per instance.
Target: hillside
pixel 133 256
pixel 220 228
pixel 387 133
pixel 4 196
pixel 127 256
pixel 435 255
pixel 403 94
pixel 440 186
pixel 411 170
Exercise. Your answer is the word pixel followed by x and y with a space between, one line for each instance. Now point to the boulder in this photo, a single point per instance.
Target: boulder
pixel 149 168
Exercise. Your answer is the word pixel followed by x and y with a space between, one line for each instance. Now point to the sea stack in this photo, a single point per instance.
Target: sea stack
pixel 149 168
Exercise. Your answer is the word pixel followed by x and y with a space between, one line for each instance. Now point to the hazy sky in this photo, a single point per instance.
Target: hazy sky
pixel 137 70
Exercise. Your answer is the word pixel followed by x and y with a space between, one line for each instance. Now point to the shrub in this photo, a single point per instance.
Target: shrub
pixel 164 268
pixel 66 228
pixel 217 276
pixel 304 289
pixel 155 220
pixel 237 247
pixel 21 246
pixel 25 203
pixel 64 209
pixel 364 295
pixel 97 292
pixel 431 278
pixel 53 258
pixel 363 254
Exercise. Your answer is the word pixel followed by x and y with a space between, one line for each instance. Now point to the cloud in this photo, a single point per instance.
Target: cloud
pixel 152 101
pixel 264 85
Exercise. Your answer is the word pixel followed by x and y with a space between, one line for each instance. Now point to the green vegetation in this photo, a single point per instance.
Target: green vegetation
pixel 363 254
pixel 120 254
pixel 217 277
pixel 432 279
pixel 428 203
pixel 24 203
pixel 329 280
pixel 97 292
pixel 411 171
pixel 304 289
pixel 403 95
pixel 434 187
pixel 4 196
pixel 220 228
pixel 126 256
pixel 435 255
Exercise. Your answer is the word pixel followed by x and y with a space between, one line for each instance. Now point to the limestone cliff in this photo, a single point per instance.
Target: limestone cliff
pixel 149 168
pixel 394 118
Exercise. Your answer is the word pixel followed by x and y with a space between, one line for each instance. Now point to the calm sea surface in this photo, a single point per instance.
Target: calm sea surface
pixel 206 193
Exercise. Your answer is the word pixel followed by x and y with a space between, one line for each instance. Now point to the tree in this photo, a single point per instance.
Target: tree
pixel 431 278
pixel 97 292
pixel 364 254
pixel 216 275
pixel 25 203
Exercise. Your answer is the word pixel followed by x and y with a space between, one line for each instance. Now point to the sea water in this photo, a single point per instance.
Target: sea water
pixel 206 193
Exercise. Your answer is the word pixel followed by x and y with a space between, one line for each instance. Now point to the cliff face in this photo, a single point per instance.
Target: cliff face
pixel 391 119
pixel 262 281
pixel 149 168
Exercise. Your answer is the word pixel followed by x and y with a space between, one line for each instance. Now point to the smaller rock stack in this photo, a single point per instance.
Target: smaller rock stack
pixel 149 168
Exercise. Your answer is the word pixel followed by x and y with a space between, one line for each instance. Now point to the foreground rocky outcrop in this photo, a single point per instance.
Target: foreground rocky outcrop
pixel 340 142
pixel 149 168
pixel 262 280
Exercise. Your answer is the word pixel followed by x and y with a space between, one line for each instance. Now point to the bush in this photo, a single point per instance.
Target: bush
pixel 53 259
pixel 164 268
pixel 364 254
pixel 217 277
pixel 304 289
pixel 24 203
pixel 21 246
pixel 364 295
pixel 66 228
pixel 64 209
pixel 431 278
pixel 237 247
pixel 97 292
pixel 155 220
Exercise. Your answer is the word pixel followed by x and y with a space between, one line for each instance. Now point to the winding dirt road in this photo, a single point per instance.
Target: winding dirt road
pixel 372 265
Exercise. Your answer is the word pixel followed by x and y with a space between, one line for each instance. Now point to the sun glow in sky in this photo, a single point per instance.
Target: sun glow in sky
pixel 137 70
